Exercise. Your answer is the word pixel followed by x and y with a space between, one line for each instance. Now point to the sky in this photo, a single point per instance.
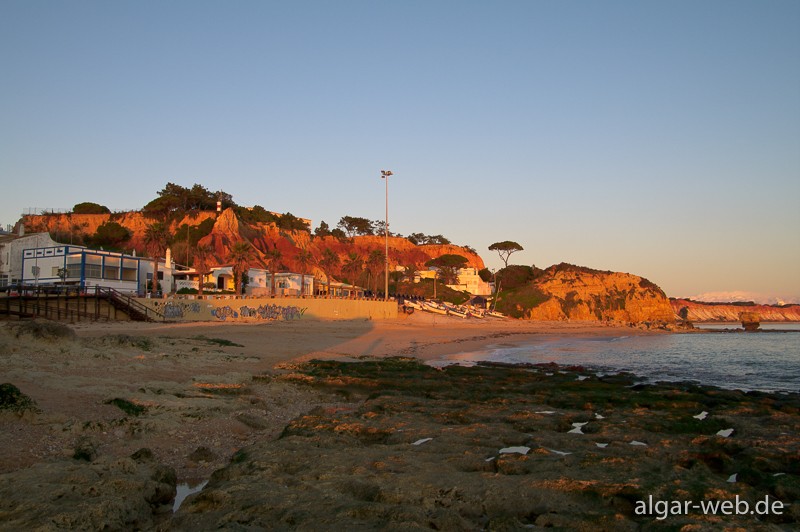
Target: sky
pixel 655 138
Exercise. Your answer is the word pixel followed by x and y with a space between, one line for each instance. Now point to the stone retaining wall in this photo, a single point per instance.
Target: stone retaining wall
pixel 231 308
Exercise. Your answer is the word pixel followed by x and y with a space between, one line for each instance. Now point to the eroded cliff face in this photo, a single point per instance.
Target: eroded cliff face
pixel 78 226
pixel 582 294
pixel 697 311
pixel 265 237
pixel 399 246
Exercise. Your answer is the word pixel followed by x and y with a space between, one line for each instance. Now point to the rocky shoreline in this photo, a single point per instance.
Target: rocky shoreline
pixel 407 446
pixel 372 442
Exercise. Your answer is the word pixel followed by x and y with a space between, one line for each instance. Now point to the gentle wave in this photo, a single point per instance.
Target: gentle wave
pixel 768 361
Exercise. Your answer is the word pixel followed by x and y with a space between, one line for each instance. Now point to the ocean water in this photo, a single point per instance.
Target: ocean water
pixel 764 361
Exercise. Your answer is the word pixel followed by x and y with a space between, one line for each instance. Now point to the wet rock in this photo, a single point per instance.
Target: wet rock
pixel 85 450
pixel 103 495
pixel 46 330
pixel 355 467
pixel 203 454
pixel 13 400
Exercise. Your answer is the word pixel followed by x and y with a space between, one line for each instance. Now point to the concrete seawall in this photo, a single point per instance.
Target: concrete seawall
pixel 254 309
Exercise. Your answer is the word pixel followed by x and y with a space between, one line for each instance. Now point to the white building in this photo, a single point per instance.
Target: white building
pixel 468 280
pixel 35 260
pixel 11 248
pixel 258 282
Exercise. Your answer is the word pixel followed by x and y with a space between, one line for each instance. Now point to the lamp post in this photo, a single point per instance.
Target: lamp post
pixel 385 175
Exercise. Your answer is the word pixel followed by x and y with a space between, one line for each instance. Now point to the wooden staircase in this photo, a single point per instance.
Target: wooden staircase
pixel 71 304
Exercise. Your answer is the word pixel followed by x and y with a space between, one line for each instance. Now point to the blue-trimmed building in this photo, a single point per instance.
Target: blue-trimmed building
pixel 86 268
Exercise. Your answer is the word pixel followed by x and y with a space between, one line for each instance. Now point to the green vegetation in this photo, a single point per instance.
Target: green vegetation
pixel 88 207
pixel 218 341
pixel 13 400
pixel 124 340
pixel 42 330
pixel 448 266
pixel 258 214
pixel 174 201
pixel 355 225
pixel 505 249
pixel 195 232
pixel 156 239
pixel 421 239
pixel 567 267
pixel 515 276
pixel 110 235
pixel 324 230
pixel 130 408
pixel 425 289
pixel 515 301
pixel 190 291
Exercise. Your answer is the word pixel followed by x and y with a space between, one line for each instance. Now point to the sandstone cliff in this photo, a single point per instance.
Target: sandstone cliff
pixel 730 312
pixel 565 291
pixel 228 229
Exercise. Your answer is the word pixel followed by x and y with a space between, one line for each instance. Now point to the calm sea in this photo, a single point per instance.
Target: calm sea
pixel 766 361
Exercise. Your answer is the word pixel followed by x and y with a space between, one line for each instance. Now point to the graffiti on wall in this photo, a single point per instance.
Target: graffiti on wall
pixel 223 313
pixel 171 309
pixel 262 312
pixel 272 312
pixel 176 309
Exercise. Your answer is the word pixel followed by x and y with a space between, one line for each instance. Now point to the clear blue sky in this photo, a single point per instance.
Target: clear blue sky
pixel 656 138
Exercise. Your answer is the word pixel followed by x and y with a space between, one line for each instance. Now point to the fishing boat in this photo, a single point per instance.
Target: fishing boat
pixel 434 307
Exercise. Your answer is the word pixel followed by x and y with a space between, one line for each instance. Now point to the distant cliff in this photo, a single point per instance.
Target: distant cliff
pixel 568 292
pixel 730 312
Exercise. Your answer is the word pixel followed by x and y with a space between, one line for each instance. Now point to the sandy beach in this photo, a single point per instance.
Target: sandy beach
pixel 422 335
pixel 198 395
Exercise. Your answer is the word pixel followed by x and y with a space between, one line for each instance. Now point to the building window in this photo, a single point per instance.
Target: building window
pixel 94 271
pixel 111 272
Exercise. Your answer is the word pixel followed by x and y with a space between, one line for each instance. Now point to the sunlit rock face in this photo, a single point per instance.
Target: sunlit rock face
pixel 731 312
pixel 228 228
pixel 578 293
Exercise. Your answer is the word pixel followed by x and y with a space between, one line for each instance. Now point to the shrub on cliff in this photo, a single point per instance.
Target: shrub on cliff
pixel 88 207
pixel 424 288
pixel 515 301
pixel 110 235
pixel 517 275
pixel 567 267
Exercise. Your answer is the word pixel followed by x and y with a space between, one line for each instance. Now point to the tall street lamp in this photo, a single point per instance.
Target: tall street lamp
pixel 385 175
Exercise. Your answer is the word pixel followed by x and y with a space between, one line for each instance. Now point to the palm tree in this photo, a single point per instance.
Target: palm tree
pixel 327 263
pixel 202 254
pixel 240 255
pixel 304 258
pixel 274 258
pixel 376 263
pixel 156 240
pixel 353 266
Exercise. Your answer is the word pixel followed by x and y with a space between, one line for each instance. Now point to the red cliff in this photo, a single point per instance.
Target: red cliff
pixel 730 312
